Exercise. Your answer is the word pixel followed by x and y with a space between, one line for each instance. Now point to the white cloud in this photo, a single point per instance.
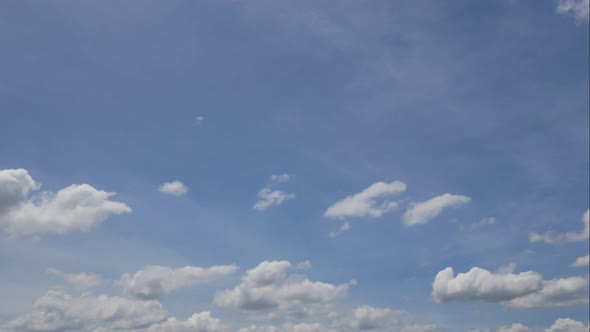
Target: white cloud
pixel 268 291
pixel 305 265
pixel 344 228
pixel 568 325
pixel 555 293
pixel 175 188
pixel 280 177
pixel 482 285
pixel 287 327
pixel 80 281
pixel 506 269
pixel 153 282
pixel 268 197
pixel 365 203
pixel 198 322
pixel 565 237
pixel 582 261
pixel 514 328
pixel 576 8
pixel 59 311
pixel 74 208
pixel 525 290
pixel 421 213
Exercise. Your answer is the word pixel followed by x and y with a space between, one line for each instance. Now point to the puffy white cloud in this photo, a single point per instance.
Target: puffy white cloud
pixel 153 282
pixel 267 291
pixel 568 325
pixel 582 261
pixel 80 281
pixel 576 8
pixel 565 237
pixel 421 213
pixel 268 197
pixel 175 188
pixel 482 285
pixel 514 328
pixel 365 203
pixel 198 322
pixel 555 293
pixel 344 228
pixel 74 208
pixel 287 327
pixel 58 311
pixel 368 318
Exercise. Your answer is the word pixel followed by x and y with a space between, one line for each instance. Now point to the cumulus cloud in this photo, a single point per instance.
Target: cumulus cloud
pixel 153 282
pixel 344 228
pixel 287 327
pixel 175 188
pixel 568 325
pixel 565 237
pixel 198 322
pixel 421 213
pixel 366 203
pixel 79 281
pixel 526 290
pixel 564 292
pixel 482 285
pixel 268 291
pixel 514 328
pixel 579 9
pixel 582 261
pixel 74 208
pixel 59 311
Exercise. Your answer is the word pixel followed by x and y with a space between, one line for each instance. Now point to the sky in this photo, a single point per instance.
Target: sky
pixel 294 166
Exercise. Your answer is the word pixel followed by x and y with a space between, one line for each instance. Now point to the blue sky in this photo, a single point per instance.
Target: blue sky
pixel 486 101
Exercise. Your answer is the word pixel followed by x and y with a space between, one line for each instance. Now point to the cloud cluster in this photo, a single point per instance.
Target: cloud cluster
pixel 583 235
pixel 525 290
pixel 74 208
pixel 421 213
pixel 582 261
pixel 366 203
pixel 174 188
pixel 153 282
pixel 268 291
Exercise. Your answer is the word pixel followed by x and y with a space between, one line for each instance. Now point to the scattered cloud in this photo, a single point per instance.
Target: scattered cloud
pixel 482 285
pixel 279 178
pixel 268 197
pixel 175 188
pixel 74 208
pixel 365 203
pixel 305 265
pixel 579 9
pixel 506 269
pixel 268 291
pixel 565 237
pixel 514 328
pixel 344 228
pixel 80 281
pixel 153 282
pixel 582 261
pixel 198 322
pixel 421 213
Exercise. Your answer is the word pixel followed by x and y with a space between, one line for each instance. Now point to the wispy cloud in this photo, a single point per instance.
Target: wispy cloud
pixel 423 212
pixel 370 202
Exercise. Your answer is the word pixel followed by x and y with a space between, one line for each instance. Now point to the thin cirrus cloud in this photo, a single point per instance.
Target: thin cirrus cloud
pixel 423 212
pixel 75 208
pixel 269 291
pixel 344 228
pixel 551 237
pixel 268 196
pixel 174 188
pixel 154 282
pixel 526 290
pixel 370 202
